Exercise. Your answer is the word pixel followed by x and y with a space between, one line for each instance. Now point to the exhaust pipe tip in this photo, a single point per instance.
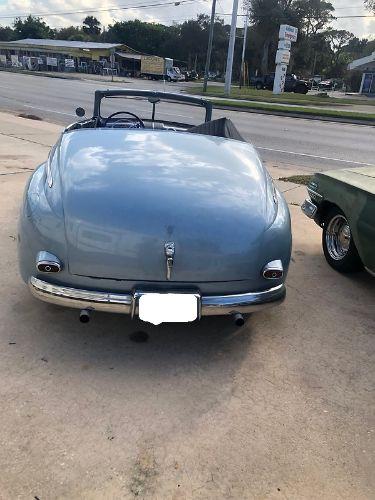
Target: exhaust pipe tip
pixel 84 316
pixel 238 319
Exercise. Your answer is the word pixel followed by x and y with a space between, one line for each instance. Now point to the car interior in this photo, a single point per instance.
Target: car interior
pixel 124 119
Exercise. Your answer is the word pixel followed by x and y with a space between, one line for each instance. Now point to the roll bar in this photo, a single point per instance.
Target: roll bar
pixel 196 101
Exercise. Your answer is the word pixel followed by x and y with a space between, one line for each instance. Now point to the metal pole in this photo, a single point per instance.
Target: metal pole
pixel 244 47
pixel 313 70
pixel 232 39
pixel 112 59
pixel 209 48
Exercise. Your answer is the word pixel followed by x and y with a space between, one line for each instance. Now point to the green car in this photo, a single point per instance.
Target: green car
pixel 342 202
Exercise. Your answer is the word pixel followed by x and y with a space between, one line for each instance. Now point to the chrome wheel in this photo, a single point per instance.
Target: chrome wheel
pixel 338 237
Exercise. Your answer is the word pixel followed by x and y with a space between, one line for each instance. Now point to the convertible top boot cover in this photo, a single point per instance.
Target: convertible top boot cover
pixel 223 127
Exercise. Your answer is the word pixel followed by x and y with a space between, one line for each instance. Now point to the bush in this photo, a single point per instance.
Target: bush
pixel 353 81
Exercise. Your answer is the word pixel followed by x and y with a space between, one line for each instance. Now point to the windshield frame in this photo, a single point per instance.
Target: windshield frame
pixel 163 96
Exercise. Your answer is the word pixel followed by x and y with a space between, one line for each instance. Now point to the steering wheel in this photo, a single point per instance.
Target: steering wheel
pixel 140 122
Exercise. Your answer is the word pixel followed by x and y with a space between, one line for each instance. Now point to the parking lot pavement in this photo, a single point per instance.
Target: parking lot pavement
pixel 279 408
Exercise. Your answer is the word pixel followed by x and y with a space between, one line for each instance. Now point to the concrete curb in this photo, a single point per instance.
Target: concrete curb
pixel 61 76
pixel 370 123
pixel 38 73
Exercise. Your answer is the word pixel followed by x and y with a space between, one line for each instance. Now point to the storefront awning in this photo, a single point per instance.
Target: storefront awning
pixel 129 55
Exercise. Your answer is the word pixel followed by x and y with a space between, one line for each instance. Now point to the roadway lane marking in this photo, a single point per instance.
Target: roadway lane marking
pixel 316 156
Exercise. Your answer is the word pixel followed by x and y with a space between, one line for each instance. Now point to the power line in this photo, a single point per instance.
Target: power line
pixel 351 7
pixel 87 11
pixel 147 6
pixel 351 17
pixel 266 15
pixel 218 14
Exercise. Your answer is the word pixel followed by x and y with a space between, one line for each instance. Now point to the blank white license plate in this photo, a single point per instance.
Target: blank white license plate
pixel 159 308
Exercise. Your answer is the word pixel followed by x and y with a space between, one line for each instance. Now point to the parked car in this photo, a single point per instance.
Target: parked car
pixel 292 83
pixel 326 85
pixel 213 75
pixel 342 202
pixel 314 81
pixel 158 219
pixel 190 75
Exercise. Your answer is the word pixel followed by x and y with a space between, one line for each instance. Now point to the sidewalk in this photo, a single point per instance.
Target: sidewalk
pixel 24 143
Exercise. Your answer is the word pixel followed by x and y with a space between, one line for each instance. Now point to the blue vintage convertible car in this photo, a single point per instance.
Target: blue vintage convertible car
pixel 162 220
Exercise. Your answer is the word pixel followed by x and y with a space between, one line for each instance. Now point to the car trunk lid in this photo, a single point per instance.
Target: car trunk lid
pixel 128 193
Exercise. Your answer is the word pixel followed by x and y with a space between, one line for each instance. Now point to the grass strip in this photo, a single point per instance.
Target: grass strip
pixel 285 98
pixel 297 179
pixel 297 110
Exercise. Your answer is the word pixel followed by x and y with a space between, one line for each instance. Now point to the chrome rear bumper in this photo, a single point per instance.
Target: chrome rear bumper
pixel 127 303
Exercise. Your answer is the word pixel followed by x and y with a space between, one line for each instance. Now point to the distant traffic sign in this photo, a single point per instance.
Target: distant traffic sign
pixel 284 45
pixel 288 33
pixel 282 57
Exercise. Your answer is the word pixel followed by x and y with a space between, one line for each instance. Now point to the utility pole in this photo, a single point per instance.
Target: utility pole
pixel 232 39
pixel 244 46
pixel 112 59
pixel 209 48
pixel 313 69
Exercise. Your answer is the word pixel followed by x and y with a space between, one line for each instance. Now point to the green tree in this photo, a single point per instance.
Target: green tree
pixel 71 33
pixel 314 15
pixel 194 38
pixel 185 42
pixel 369 48
pixel 32 27
pixel 310 52
pixel 139 35
pixel 188 41
pixel 266 17
pixel 6 33
pixel 311 17
pixel 91 26
pixel 339 56
pixel 220 47
pixel 356 47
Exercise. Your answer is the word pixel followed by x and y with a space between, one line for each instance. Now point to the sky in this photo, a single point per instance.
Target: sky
pixel 361 27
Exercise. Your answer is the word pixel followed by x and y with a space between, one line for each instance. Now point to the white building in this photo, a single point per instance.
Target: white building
pixel 367 66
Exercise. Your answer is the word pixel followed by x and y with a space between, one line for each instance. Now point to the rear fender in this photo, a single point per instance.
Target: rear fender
pixel 41 222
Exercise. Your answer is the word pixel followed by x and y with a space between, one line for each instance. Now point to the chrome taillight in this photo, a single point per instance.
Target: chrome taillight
pixel 46 262
pixel 273 270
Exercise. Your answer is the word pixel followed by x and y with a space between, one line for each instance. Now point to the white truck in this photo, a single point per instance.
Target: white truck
pixel 158 68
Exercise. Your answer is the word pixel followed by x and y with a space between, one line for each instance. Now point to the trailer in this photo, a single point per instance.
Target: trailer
pixel 159 68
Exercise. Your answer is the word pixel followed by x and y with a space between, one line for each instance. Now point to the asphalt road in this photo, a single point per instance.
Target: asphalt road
pixel 309 145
